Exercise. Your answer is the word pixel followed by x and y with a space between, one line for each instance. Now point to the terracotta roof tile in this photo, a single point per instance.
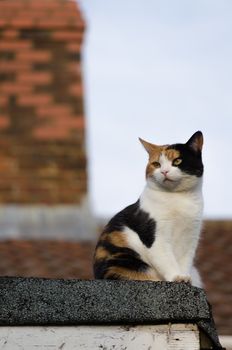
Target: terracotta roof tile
pixel 54 259
pixel 214 261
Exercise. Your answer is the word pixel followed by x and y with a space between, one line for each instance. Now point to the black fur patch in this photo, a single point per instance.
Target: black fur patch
pixel 137 220
pixel 100 268
pixel 129 261
pixel 113 249
pixel 191 161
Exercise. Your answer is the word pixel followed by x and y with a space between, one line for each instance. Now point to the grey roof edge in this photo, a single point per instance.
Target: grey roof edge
pixel 41 301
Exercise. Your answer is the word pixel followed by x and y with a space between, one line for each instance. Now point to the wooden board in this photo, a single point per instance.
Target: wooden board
pixel 155 337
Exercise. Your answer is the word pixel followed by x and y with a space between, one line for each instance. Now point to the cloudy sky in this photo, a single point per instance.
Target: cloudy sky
pixel 159 70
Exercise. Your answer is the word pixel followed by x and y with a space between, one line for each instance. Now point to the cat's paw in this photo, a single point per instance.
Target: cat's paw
pixel 180 278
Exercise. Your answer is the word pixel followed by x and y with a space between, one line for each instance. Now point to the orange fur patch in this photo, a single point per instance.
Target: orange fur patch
pixel 126 274
pixel 118 239
pixel 101 253
pixel 154 157
pixel 149 169
pixel 172 154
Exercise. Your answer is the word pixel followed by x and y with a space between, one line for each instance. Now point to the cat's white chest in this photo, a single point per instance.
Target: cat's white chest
pixel 174 207
pixel 178 216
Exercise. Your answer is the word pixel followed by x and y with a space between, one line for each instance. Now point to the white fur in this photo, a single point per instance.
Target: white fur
pixel 177 211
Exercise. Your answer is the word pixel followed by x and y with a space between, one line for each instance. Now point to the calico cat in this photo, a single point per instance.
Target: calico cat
pixel 156 237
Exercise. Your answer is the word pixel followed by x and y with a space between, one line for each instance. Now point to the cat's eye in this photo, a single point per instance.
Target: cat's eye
pixel 177 161
pixel 156 164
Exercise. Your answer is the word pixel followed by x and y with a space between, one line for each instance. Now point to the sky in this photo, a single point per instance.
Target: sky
pixel 159 70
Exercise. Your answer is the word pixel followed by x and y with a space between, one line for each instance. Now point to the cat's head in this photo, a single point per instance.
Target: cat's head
pixel 176 167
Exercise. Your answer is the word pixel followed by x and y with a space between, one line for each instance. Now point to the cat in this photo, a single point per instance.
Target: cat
pixel 156 237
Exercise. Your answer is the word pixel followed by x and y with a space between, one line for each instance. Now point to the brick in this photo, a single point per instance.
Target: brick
pixel 67 35
pixel 65 19
pixel 10 34
pixel 14 45
pixel 73 47
pixel 7 165
pixel 35 78
pixel 76 90
pixel 51 4
pixel 6 15
pixel 3 22
pixel 67 13
pixel 20 22
pixel 52 23
pixel 34 14
pixel 50 133
pixel 53 110
pixel 3 100
pixel 69 123
pixel 4 122
pixel 11 5
pixel 34 100
pixel 60 130
pixel 74 68
pixel 14 66
pixel 34 56
pixel 14 88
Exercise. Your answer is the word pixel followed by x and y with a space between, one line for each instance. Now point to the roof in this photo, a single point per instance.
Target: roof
pixel 35 301
pixel 214 262
pixel 51 259
pixel 60 259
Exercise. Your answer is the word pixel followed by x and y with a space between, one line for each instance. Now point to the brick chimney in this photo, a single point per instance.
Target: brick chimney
pixel 43 172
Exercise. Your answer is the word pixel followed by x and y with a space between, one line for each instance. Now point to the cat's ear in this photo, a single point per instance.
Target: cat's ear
pixel 196 141
pixel 149 147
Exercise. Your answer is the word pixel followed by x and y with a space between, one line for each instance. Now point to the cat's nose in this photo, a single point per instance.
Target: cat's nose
pixel 165 172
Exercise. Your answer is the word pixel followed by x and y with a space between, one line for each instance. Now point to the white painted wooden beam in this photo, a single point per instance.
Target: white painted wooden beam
pixel 155 337
pixel 226 341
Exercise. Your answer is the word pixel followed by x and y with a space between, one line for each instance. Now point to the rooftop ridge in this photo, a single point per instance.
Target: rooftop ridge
pixel 40 301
